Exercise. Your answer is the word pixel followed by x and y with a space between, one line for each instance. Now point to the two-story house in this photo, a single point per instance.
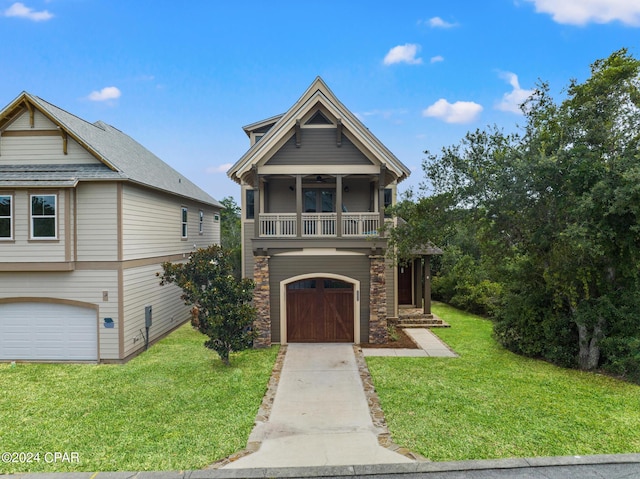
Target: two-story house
pixel 315 183
pixel 87 217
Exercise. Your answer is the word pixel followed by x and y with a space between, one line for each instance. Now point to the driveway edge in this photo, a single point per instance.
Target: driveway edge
pixel 376 412
pixel 264 411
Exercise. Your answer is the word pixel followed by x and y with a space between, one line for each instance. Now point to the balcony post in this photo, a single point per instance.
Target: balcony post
pixel 381 185
pixel 298 206
pixel 427 284
pixel 339 206
pixel 256 201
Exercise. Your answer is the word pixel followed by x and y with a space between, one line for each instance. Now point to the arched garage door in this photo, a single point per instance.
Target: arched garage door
pixel 48 332
pixel 320 310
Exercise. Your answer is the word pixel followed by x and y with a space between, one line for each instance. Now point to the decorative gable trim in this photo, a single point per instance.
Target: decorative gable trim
pixel 27 102
pixel 317 95
pixel 318 118
pixel 298 134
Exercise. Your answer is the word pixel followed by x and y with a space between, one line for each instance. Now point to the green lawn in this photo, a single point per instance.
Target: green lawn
pixel 490 403
pixel 174 407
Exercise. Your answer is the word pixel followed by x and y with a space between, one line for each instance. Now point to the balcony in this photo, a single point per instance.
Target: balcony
pixel 318 225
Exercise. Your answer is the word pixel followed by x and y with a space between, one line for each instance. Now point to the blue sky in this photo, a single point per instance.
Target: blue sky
pixel 182 78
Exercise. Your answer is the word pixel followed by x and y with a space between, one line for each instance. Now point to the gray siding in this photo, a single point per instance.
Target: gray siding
pixel 142 288
pixel 247 250
pixel 279 198
pixel 97 222
pixel 390 283
pixel 40 149
pixel 318 147
pixel 152 221
pixel 23 248
pixel 284 267
pixel 358 198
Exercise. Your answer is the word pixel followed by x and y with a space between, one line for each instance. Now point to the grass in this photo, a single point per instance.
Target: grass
pixel 174 407
pixel 490 403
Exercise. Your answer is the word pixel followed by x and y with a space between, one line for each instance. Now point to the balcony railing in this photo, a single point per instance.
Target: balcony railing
pixel 318 225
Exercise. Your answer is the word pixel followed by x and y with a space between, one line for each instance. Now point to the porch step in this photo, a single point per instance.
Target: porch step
pixel 418 320
pixel 424 325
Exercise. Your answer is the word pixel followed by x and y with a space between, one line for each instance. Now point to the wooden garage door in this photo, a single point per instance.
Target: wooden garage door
pixel 320 310
pixel 48 332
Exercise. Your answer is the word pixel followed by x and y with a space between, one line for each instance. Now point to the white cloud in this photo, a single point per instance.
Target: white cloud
pixel 458 112
pixel 512 100
pixel 437 58
pixel 107 93
pixel 386 114
pixel 403 54
pixel 22 11
pixel 437 22
pixel 219 169
pixel 581 12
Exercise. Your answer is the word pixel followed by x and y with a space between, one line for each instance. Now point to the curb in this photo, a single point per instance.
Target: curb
pixel 360 470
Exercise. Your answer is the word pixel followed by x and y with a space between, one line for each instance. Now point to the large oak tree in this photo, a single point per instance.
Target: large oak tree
pixel 557 211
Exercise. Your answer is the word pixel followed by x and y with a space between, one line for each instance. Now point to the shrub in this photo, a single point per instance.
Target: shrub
pixel 221 303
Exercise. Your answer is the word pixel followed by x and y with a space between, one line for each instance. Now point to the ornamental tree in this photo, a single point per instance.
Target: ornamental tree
pixel 221 307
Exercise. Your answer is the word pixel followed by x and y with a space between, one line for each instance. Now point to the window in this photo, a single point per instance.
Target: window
pixel 387 199
pixel 6 217
pixel 319 200
pixel 185 225
pixel 216 218
pixel 249 201
pixel 44 221
pixel 201 225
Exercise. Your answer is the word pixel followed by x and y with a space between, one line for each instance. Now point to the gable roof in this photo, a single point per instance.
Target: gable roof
pixel 318 93
pixel 261 125
pixel 126 158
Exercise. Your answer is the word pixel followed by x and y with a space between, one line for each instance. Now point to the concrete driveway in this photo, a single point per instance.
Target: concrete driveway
pixel 320 415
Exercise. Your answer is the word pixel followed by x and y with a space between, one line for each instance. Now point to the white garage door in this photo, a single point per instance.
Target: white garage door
pixel 47 331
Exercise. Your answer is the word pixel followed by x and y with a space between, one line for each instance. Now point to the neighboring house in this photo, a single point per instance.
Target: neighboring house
pixel 315 184
pixel 87 217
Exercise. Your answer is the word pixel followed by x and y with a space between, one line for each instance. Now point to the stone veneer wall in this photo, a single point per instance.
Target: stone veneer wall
pixel 262 324
pixel 377 300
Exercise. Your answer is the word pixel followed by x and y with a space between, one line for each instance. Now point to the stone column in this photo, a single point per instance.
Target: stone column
pixel 377 300
pixel 261 301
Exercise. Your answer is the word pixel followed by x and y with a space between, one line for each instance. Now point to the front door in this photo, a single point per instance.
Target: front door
pixel 320 310
pixel 405 279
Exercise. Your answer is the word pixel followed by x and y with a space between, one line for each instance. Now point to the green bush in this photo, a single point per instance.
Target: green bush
pixel 480 298
pixel 528 325
pixel 622 356
pixel 462 282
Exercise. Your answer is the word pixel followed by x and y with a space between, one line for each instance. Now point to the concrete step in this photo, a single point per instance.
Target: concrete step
pixel 424 325
pixel 417 319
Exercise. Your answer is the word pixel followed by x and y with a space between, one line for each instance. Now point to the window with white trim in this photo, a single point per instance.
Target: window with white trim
pixel 201 225
pixel 185 225
pixel 249 204
pixel 6 217
pixel 44 218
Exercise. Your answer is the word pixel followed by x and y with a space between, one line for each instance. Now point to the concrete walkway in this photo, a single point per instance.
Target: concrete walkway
pixel 320 415
pixel 430 344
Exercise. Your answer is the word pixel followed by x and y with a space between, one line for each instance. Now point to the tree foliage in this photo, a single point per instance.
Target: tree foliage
pixel 221 303
pixel 231 233
pixel 555 211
